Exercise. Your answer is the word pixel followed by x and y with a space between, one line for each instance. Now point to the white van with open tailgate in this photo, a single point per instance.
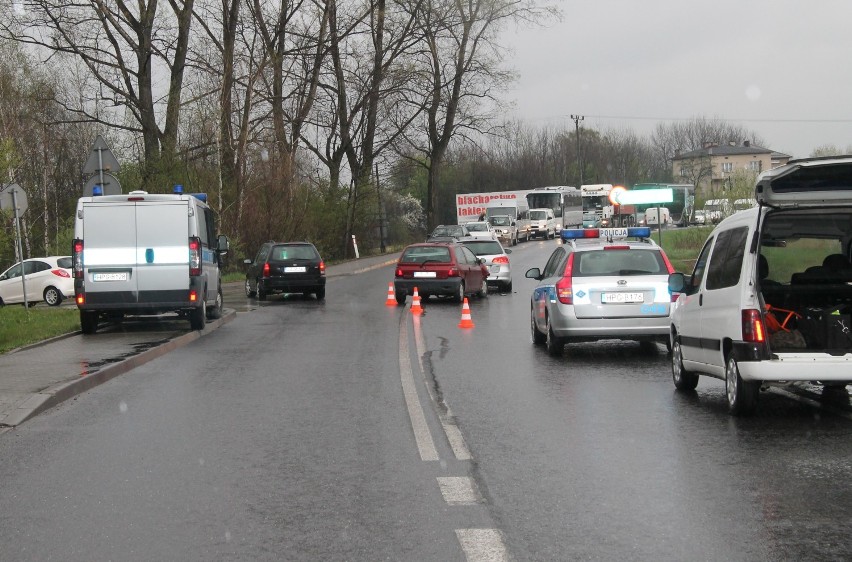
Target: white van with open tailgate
pixel 770 298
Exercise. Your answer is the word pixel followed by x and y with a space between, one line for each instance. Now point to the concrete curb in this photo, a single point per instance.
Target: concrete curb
pixel 61 392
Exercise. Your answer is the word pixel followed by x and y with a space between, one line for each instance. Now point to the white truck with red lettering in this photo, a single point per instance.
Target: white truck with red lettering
pixel 483 206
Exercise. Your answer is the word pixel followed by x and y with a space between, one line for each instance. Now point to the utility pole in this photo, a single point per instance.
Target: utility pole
pixel 577 119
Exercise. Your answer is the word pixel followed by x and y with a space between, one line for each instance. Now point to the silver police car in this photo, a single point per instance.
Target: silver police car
pixel 602 283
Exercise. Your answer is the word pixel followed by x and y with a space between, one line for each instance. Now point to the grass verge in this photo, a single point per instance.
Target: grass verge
pixel 19 327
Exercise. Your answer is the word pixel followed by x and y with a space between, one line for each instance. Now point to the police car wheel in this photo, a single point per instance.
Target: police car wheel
pixel 198 316
pixel 554 343
pixel 537 337
pixel 215 311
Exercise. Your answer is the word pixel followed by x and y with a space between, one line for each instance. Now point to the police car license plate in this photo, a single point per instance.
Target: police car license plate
pixel 110 276
pixel 620 298
pixel 295 269
pixel 425 274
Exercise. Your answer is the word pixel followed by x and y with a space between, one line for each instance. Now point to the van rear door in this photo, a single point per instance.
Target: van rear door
pixel 162 251
pixel 109 232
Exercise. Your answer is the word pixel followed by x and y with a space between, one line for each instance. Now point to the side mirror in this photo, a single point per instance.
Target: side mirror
pixel 222 244
pixel 507 250
pixel 533 273
pixel 677 283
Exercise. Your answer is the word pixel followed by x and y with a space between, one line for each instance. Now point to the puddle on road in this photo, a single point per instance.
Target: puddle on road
pixel 91 367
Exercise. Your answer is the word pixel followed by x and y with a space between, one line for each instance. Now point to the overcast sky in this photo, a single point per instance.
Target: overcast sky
pixel 782 68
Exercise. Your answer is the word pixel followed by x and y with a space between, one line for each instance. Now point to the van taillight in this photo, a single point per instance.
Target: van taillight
pixel 266 270
pixel 754 330
pixel 77 259
pixel 194 257
pixel 564 289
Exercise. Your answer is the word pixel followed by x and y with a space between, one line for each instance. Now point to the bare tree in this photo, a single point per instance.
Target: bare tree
pixel 127 48
pixel 459 65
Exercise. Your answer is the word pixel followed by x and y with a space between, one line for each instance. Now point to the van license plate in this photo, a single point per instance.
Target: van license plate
pixel 619 298
pixel 109 276
pixel 295 269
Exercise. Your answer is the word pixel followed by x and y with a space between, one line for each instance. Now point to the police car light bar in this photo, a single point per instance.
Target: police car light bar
pixel 608 233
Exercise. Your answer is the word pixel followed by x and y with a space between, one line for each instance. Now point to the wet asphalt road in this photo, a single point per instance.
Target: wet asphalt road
pixel 285 435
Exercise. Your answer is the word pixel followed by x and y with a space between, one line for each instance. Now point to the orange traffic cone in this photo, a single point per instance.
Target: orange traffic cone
pixel 466 321
pixel 415 303
pixel 391 300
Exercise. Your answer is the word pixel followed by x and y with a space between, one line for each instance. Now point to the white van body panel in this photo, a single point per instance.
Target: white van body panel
pixel 136 255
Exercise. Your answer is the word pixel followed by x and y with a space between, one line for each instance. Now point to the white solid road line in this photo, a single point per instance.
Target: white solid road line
pixel 425 444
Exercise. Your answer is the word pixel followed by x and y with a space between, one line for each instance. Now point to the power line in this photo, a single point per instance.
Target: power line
pixel 750 120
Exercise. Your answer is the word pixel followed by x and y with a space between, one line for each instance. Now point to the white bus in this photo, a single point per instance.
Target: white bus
pixel 564 200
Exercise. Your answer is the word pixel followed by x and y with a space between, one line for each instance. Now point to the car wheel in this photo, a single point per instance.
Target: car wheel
pixel 320 293
pixel 198 316
pixel 742 395
pixel 554 343
pixel 215 311
pixel 88 321
pixel 537 337
pixel 53 296
pixel 483 292
pixel 507 287
pixel 683 379
pixel 459 297
pixel 261 292
pixel 249 293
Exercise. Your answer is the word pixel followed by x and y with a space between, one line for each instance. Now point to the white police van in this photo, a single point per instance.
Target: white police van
pixel 770 298
pixel 142 253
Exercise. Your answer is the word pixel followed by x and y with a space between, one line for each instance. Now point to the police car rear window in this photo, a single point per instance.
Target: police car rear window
pixel 596 263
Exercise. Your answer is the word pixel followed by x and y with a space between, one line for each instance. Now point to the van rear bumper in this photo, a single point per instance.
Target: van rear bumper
pixel 802 366
pixel 143 302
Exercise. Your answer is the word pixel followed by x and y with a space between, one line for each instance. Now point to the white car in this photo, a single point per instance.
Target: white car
pixel 47 279
pixel 481 229
pixel 768 302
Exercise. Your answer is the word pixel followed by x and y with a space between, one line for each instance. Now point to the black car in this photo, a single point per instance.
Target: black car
pixel 286 267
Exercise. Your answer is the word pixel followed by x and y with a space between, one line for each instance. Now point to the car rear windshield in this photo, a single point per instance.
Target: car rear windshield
pixel 293 252
pixel 477 227
pixel 595 263
pixel 64 263
pixel 484 248
pixel 423 254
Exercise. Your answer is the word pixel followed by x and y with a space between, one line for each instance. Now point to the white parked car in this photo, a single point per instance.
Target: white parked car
pixel 768 302
pixel 47 279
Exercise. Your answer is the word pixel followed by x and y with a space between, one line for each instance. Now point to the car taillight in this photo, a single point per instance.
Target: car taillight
pixel 322 267
pixel 266 269
pixel 60 273
pixel 564 289
pixel 194 257
pixel 77 259
pixel 753 328
pixel 398 272
pixel 501 259
pixel 452 272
